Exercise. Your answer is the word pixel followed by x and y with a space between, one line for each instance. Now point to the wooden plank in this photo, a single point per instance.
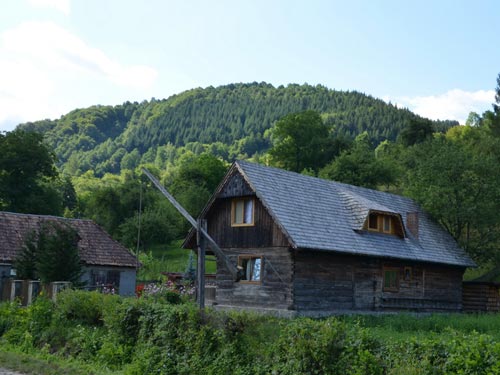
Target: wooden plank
pixel 201 224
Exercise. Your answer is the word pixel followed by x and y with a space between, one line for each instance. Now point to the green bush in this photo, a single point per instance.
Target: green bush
pixel 138 336
pixel 84 307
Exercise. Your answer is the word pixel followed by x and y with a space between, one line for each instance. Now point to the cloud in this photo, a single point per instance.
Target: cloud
pixel 40 58
pixel 453 105
pixel 55 47
pixel 60 5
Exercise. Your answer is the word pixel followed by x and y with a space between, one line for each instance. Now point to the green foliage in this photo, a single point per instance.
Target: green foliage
pixel 459 185
pixel 51 253
pixel 301 141
pixel 417 130
pixel 27 174
pixel 150 335
pixel 25 263
pixel 360 166
pixel 190 272
pixel 57 253
pixel 157 225
pixel 234 116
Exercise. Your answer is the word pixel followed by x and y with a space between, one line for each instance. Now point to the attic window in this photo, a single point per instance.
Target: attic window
pixel 251 268
pixel 242 212
pixel 384 223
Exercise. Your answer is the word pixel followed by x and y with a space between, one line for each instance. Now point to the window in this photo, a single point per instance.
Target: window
pixel 387 223
pixel 383 223
pixel 407 273
pixel 251 268
pixel 391 282
pixel 102 277
pixel 242 212
pixel 373 221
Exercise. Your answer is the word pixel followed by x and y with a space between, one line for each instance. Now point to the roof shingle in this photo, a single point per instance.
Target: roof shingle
pixel 96 247
pixel 327 215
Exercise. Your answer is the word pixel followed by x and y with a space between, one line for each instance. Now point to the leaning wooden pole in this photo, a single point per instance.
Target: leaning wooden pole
pixel 209 240
pixel 200 277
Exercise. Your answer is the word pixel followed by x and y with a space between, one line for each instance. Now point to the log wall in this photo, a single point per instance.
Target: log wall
pixel 329 282
pixel 273 292
pixel 264 232
pixel 481 297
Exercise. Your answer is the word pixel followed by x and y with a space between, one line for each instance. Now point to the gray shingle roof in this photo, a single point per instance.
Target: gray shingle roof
pixel 327 215
pixel 95 247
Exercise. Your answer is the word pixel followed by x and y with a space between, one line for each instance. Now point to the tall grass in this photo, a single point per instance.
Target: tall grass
pixel 401 326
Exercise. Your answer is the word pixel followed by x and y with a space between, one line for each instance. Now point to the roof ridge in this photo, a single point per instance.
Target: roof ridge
pixel 44 216
pixel 333 182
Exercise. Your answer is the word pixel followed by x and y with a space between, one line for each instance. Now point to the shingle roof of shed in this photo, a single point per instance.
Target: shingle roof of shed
pixel 327 215
pixel 96 247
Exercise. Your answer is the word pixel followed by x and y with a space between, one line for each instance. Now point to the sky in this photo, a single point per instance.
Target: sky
pixel 439 58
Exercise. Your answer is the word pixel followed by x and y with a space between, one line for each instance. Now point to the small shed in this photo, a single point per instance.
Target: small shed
pixel 481 296
pixel 106 261
pixel 308 246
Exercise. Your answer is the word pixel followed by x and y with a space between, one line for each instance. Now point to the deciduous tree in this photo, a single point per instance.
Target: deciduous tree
pixel 301 141
pixel 27 174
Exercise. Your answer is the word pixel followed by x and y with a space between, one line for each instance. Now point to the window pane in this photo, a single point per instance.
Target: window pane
pixel 372 221
pixel 248 211
pixel 387 223
pixel 248 270
pixel 256 269
pixel 238 212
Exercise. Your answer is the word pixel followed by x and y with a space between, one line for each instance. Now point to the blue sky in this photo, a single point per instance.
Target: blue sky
pixel 438 58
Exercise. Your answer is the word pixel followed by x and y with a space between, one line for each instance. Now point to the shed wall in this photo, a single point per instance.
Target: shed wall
pixel 127 278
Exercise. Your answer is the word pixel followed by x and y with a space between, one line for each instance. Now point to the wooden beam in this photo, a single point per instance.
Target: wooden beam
pixel 200 279
pixel 211 243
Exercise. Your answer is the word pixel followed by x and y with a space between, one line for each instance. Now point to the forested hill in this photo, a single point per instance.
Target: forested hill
pixel 108 138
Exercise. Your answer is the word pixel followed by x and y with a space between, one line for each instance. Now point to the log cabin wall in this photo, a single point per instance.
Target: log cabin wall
pixel 264 232
pixel 264 238
pixel 330 282
pixel 481 297
pixel 273 292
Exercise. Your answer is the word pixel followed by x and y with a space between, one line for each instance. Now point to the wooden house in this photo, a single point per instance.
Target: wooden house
pixel 106 262
pixel 308 246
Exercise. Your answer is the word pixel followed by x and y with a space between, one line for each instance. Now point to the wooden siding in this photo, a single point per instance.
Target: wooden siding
pixel 236 186
pixel 481 297
pixel 329 282
pixel 264 232
pixel 273 292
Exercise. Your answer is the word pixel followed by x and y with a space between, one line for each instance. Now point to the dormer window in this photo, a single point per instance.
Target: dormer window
pixel 385 223
pixel 373 222
pixel 242 212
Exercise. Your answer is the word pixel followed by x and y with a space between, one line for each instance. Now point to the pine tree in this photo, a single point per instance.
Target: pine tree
pixel 57 253
pixel 25 263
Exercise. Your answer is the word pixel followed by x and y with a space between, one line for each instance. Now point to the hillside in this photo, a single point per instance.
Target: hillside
pixel 108 138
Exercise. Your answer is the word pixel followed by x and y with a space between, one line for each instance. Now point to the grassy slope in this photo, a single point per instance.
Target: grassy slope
pixel 169 258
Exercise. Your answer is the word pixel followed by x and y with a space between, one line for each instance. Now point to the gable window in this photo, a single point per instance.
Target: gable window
pixel 251 268
pixel 242 212
pixel 391 282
